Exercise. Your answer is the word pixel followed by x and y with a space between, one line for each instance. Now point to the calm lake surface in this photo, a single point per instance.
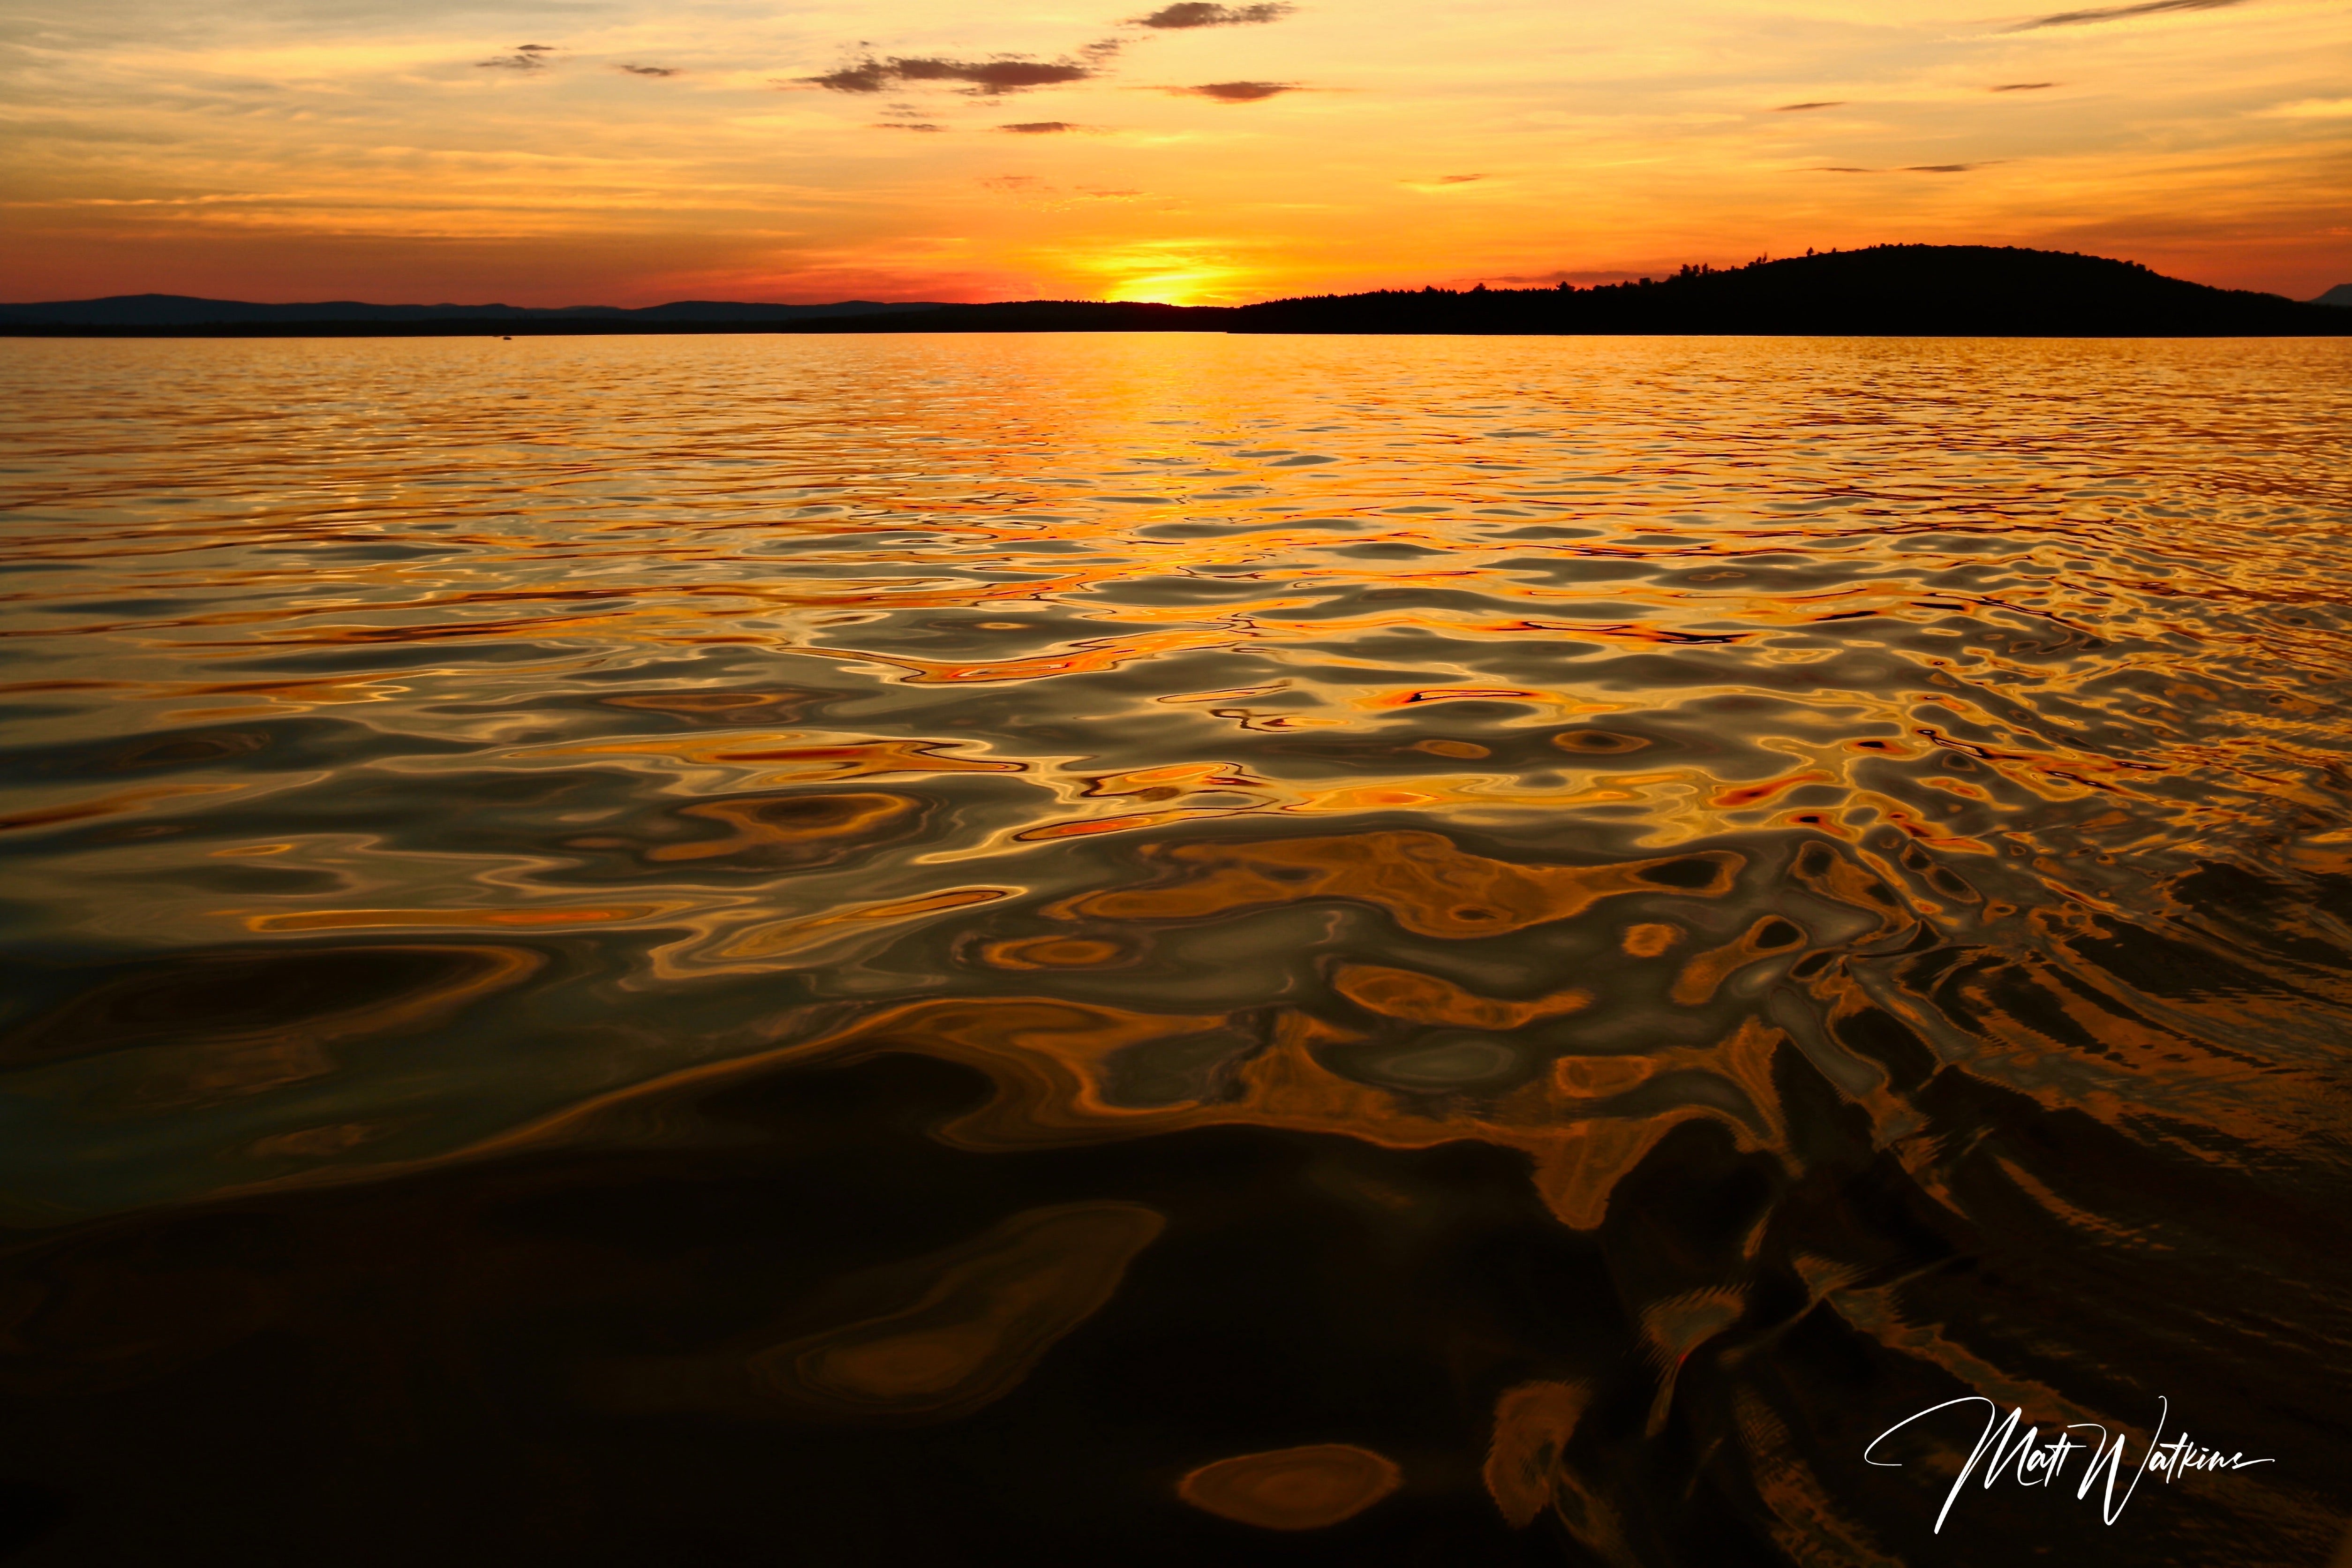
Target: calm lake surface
pixel 1171 949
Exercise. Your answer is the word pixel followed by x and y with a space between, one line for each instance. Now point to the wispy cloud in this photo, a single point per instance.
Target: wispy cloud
pixel 2117 13
pixel 1442 183
pixel 1906 169
pixel 1238 91
pixel 988 78
pixel 2310 109
pixel 1822 103
pixel 867 75
pixel 1035 192
pixel 649 70
pixel 2022 85
pixel 526 58
pixel 1039 128
pixel 907 125
pixel 1199 14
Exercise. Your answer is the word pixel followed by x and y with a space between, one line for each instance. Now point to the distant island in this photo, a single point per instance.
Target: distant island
pixel 1929 291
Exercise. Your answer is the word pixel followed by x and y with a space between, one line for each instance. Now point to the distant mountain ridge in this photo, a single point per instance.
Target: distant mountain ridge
pixel 1923 290
pixel 2339 295
pixel 185 311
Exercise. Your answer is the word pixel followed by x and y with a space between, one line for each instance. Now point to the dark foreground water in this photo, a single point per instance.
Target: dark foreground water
pixel 1172 949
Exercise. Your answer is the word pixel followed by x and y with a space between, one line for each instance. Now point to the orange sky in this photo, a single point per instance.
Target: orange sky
pixel 712 148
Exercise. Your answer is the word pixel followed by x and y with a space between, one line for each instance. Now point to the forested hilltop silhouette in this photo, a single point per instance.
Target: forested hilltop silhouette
pixel 1952 291
pixel 1929 289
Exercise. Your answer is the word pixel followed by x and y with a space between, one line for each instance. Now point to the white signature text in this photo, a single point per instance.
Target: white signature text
pixel 2004 1452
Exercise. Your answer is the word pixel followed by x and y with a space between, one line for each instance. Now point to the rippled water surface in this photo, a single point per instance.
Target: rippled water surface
pixel 1170 949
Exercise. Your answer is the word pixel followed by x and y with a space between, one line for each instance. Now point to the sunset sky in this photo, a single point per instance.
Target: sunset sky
pixel 618 152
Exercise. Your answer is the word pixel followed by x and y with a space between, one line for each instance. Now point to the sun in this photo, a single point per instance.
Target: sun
pixel 1162 274
pixel 1173 289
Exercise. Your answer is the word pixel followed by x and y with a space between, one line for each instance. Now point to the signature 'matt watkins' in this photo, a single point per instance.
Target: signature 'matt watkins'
pixel 2002 1451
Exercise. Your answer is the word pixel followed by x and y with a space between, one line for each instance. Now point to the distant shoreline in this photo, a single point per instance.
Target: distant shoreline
pixel 459 328
pixel 1895 290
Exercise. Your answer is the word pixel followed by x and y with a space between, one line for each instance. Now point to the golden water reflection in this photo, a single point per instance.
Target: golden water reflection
pixel 428 752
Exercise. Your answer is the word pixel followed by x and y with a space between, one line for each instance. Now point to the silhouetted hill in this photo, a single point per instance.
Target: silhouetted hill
pixel 182 311
pixel 1923 290
pixel 2339 295
pixel 1956 290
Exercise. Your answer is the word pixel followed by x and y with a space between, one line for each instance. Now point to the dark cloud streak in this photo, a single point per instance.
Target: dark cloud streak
pixel 526 58
pixel 649 70
pixel 2117 13
pixel 1824 103
pixel 2023 85
pixel 1200 14
pixel 990 78
pixel 1238 91
pixel 1039 128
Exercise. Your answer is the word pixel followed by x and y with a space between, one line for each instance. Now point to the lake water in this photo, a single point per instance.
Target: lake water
pixel 1171 949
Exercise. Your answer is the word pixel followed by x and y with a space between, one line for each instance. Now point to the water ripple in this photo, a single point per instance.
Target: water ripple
pixel 1766 761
